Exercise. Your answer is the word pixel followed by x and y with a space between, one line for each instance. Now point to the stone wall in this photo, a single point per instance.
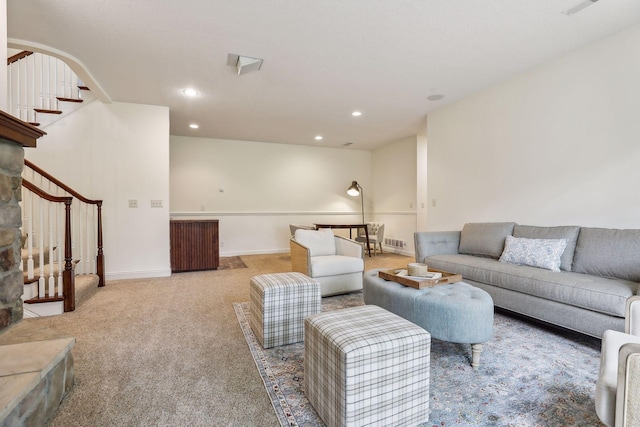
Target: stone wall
pixel 11 281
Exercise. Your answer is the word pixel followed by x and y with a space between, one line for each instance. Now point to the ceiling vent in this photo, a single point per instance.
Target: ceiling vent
pixel 244 64
pixel 579 7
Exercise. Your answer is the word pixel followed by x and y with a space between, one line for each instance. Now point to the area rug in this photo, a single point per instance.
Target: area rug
pixel 231 262
pixel 529 375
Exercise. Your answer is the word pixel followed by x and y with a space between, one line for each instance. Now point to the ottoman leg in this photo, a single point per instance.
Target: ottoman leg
pixel 476 349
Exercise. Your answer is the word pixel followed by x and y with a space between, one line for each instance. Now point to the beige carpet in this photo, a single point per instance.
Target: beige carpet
pixel 169 351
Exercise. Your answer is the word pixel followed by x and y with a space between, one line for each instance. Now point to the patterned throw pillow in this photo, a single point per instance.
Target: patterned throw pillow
pixel 542 253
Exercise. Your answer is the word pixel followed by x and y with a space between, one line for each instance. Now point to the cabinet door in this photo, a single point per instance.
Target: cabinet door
pixel 194 245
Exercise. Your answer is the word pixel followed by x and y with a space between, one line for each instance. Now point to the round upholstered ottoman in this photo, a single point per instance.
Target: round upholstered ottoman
pixel 456 312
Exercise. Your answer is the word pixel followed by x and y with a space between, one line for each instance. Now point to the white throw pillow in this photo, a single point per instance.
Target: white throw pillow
pixel 320 242
pixel 542 253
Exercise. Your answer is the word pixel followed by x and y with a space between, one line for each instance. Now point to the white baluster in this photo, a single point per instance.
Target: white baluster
pixel 29 209
pixel 52 281
pixel 41 281
pixel 61 247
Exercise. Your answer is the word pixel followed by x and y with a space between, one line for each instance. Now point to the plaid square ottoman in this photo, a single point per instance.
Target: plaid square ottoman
pixel 365 366
pixel 278 304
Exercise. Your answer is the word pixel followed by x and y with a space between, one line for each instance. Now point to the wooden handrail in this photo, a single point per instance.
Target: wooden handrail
pixel 60 184
pixel 18 56
pixel 45 195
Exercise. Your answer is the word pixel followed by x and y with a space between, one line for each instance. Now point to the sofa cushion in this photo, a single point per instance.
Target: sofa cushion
pixel 319 242
pixel 542 253
pixel 484 238
pixel 334 265
pixel 569 232
pixel 608 253
pixel 596 293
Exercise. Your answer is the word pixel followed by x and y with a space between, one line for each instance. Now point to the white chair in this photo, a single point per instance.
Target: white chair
pixel 618 387
pixel 337 263
pixel 376 235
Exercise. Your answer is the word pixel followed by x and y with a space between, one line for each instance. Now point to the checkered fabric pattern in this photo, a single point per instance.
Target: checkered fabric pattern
pixel 365 366
pixel 279 303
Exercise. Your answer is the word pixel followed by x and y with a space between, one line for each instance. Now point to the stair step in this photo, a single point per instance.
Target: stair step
pixel 83 88
pixel 69 99
pixel 28 281
pixel 34 123
pixel 41 110
pixel 39 300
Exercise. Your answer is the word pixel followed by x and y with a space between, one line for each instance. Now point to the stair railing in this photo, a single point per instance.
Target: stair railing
pixel 36 84
pixel 86 222
pixel 49 218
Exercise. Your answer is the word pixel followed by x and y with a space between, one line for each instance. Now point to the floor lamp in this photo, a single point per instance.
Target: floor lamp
pixel 355 189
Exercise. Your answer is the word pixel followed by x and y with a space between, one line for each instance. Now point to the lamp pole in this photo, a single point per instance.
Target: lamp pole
pixel 356 189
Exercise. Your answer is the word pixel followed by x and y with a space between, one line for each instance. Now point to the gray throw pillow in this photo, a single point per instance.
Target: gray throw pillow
pixel 608 253
pixel 484 238
pixel 568 232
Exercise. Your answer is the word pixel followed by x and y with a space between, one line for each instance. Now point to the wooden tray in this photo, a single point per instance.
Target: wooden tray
pixel 420 283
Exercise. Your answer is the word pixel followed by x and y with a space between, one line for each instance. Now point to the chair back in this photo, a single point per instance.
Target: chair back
pixel 319 242
pixel 294 227
pixel 373 228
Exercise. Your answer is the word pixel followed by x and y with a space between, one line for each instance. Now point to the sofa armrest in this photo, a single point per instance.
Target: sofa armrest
pixel 429 243
pixel 632 316
pixel 348 247
pixel 299 257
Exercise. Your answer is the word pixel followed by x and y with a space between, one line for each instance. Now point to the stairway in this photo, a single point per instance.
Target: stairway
pixel 61 256
pixel 42 89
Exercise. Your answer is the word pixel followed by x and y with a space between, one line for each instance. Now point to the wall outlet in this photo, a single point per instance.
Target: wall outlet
pixel 156 203
pixel 133 203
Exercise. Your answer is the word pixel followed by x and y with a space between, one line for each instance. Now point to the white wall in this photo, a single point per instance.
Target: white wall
pixel 394 173
pixel 117 152
pixel 558 145
pixel 265 187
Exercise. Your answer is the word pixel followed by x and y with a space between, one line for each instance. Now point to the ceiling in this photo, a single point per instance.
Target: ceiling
pixel 322 59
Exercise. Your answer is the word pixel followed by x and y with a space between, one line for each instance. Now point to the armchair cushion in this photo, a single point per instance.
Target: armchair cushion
pixel 334 265
pixel 319 242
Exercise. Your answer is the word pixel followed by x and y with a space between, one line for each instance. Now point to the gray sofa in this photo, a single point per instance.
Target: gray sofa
pixel 599 270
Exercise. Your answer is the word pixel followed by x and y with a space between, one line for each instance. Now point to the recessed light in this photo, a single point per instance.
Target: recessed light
pixel 318 137
pixel 436 97
pixel 356 113
pixel 194 126
pixel 190 92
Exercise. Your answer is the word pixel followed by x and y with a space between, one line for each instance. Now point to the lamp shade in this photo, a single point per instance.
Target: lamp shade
pixel 354 189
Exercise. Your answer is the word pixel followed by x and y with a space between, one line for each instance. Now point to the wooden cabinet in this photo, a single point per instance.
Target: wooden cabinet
pixel 194 245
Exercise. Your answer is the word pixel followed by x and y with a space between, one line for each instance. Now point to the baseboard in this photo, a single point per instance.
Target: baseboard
pixel 260 252
pixel 137 274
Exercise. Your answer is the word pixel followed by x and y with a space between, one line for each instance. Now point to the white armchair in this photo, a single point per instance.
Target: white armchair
pixel 337 263
pixel 618 386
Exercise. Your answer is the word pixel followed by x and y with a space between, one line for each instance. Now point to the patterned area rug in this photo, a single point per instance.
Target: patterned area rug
pixel 231 262
pixel 529 376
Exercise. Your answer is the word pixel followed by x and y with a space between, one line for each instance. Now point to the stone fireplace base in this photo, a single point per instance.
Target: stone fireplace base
pixel 35 375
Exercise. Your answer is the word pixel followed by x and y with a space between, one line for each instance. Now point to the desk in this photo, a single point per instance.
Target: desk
pixel 350 227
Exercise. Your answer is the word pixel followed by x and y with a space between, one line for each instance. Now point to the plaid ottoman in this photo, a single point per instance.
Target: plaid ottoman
pixel 279 303
pixel 366 366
